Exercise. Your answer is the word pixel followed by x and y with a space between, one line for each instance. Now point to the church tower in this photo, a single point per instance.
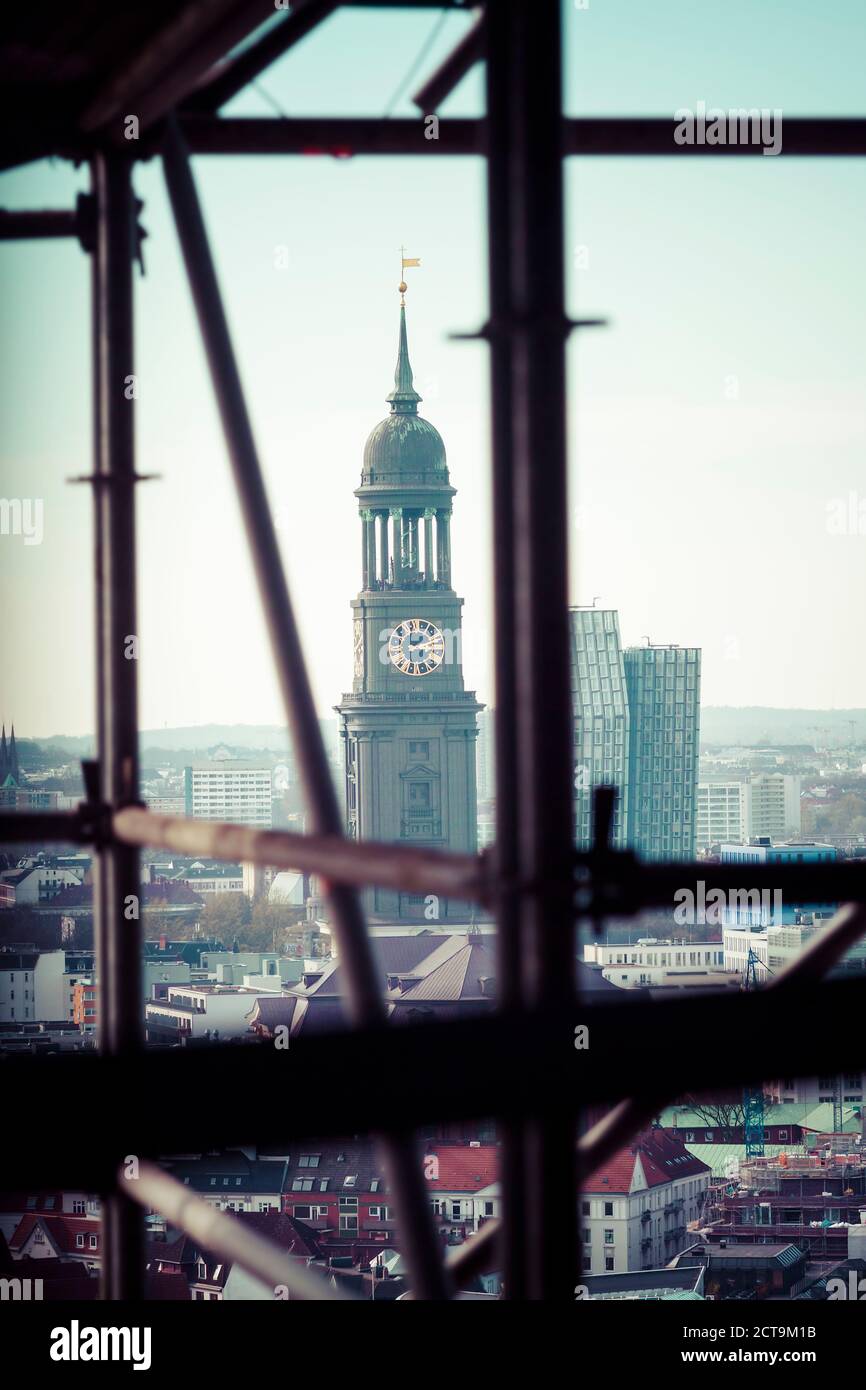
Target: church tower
pixel 408 727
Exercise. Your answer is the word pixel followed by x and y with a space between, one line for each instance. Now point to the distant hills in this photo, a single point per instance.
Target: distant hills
pixel 191 740
pixel 752 726
pixel 758 726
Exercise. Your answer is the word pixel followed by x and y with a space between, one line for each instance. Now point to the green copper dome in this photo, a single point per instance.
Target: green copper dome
pixel 404 445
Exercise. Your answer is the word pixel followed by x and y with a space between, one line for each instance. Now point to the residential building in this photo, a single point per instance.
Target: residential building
pixel 32 986
pixel 210 879
pixel 486 755
pixel 774 805
pixel 229 789
pixel 199 1012
pixel 232 1181
pixel 464 1184
pixel 722 811
pixel 340 1191
pixel 41 1236
pixel 37 884
pixel 649 961
pixel 84 1005
pixel 636 1208
pixel 601 718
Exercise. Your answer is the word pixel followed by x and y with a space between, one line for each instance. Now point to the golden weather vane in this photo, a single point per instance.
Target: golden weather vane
pixel 405 263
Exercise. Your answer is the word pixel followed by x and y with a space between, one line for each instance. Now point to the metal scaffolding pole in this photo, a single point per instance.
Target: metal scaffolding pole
pixel 528 43
pixel 365 1002
pixel 117 881
pixel 499 216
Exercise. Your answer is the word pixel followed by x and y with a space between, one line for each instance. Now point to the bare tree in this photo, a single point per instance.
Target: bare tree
pixel 717 1113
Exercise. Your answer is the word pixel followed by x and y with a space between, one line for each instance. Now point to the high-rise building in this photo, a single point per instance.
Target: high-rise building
pixel 486 756
pixel 601 718
pixel 229 789
pixel 762 805
pixel 408 725
pixel 774 805
pixel 664 685
pixel 722 811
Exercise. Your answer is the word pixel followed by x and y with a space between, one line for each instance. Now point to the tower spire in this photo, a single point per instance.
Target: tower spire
pixel 14 770
pixel 404 398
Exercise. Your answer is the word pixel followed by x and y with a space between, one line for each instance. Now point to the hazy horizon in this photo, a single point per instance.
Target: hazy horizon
pixel 714 425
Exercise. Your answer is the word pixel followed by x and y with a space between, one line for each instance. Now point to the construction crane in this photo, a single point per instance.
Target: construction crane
pixel 753 1096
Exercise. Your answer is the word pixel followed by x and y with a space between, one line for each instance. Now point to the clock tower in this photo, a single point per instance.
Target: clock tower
pixel 408 726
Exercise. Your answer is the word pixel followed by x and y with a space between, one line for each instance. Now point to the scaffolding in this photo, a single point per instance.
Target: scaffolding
pixel 173 71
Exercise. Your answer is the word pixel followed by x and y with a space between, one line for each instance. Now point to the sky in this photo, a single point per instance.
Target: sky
pixel 717 426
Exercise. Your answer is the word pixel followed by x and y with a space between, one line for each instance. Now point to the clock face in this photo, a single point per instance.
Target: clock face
pixel 416 647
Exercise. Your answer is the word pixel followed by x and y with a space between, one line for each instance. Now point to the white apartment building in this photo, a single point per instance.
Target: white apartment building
pixel 738 808
pixel 229 789
pixel 637 1207
pixel 32 986
pixel 199 1011
pixel 211 878
pixel 774 805
pixel 722 812
pixel 167 805
pixel 650 961
pixel 36 884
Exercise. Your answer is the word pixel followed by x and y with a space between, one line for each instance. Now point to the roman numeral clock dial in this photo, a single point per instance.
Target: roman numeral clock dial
pixel 416 647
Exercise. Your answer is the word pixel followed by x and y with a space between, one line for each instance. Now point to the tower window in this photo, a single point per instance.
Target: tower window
pixel 419 793
pixel 419 750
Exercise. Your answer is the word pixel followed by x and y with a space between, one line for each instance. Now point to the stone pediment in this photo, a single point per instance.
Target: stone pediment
pixel 420 770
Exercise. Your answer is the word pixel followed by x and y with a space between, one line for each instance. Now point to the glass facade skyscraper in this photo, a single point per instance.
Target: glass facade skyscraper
pixel 636 728
pixel 664 691
pixel 601 718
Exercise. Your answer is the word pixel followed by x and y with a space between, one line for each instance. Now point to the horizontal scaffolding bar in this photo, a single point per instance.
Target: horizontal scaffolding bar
pixel 339 136
pixel 407 867
pixel 526 1061
pixel 616 883
pixel 47 222
pixel 344 136
pixel 613 883
pixel 614 135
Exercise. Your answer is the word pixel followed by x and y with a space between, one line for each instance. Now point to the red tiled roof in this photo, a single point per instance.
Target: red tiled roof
pixel 290 1234
pixel 61 1230
pixel 462 1168
pixel 663 1159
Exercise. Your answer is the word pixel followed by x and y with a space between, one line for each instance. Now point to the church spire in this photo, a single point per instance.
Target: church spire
pixel 4 757
pixel 404 398
pixel 14 769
